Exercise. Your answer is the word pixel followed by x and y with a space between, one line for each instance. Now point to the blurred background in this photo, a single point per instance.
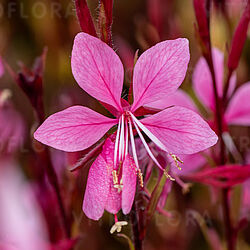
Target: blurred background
pixel 29 26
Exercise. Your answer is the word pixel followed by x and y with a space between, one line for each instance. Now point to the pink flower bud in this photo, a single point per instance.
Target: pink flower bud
pixel 84 17
pixel 239 39
pixel 202 21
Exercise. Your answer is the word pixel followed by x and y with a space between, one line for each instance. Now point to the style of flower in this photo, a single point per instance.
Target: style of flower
pixel 157 74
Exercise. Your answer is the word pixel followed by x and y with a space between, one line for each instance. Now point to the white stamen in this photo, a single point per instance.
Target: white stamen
pixel 116 143
pixel 133 144
pixel 148 133
pixel 126 131
pixel 147 147
pixel 121 145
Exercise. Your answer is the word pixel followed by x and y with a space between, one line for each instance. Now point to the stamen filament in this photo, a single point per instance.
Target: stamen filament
pixel 148 133
pixel 147 147
pixel 116 142
pixel 138 125
pixel 126 131
pixel 116 218
pixel 132 139
pixel 121 145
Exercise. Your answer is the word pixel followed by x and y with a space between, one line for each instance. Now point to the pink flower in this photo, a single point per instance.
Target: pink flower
pixel 22 223
pixel 12 127
pixel 238 109
pixel 157 74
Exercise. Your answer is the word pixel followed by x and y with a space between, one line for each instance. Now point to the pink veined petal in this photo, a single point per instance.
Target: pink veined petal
pixel 178 98
pixel 97 69
pixel 97 189
pixel 73 129
pixel 160 71
pixel 238 111
pixel 1 68
pixel 202 80
pixel 181 130
pixel 113 202
pixel 129 176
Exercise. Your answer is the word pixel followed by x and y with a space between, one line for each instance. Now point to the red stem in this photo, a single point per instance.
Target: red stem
pixel 52 177
pixel 230 232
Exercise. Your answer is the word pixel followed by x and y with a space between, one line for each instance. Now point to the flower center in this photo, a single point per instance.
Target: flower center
pixel 124 136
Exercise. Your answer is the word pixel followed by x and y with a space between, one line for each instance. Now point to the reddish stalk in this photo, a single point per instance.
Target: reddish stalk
pixel 52 177
pixel 219 104
pixel 135 227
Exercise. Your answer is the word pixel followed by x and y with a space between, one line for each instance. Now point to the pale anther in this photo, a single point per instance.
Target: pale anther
pixel 140 175
pixel 177 160
pixel 168 175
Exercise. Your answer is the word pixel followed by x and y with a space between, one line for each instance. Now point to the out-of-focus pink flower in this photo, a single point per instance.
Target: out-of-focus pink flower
pixel 157 74
pixel 238 109
pixel 12 129
pixel 22 226
pixel 223 176
pixel 1 67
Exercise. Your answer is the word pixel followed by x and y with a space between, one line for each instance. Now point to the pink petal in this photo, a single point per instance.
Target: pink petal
pixel 160 71
pixel 129 184
pixel 202 79
pixel 238 111
pixel 178 98
pixel 181 130
pixel 113 202
pixel 73 129
pixel 97 189
pixel 97 69
pixel 1 68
